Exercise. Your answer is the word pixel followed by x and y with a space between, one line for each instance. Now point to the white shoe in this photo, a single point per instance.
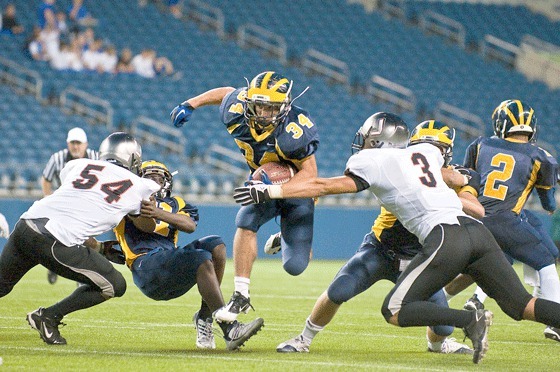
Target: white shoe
pixel 552 333
pixel 204 333
pixel 273 245
pixel 295 345
pixel 451 346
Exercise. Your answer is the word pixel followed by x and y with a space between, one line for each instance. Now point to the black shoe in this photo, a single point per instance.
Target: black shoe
pixel 237 333
pixel 552 333
pixel 52 277
pixel 237 304
pixel 473 304
pixel 477 332
pixel 47 327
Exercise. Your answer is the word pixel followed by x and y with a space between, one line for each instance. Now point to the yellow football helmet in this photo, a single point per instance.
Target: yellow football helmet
pixel 436 133
pixel 512 117
pixel 268 101
pixel 154 169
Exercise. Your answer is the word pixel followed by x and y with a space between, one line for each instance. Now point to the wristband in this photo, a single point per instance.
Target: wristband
pixel 188 105
pixel 275 191
pixel 465 180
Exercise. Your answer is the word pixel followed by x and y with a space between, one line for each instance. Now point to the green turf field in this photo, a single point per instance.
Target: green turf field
pixel 136 333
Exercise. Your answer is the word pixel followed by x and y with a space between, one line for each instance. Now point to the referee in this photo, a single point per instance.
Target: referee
pixel 77 148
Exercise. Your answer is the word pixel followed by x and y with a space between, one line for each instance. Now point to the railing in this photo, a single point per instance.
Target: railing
pixel 22 79
pixel 255 36
pixel 97 110
pixel 151 131
pixel 228 160
pixel 468 125
pixel 442 25
pixel 388 91
pixel 497 49
pixel 208 15
pixel 323 64
pixel 393 8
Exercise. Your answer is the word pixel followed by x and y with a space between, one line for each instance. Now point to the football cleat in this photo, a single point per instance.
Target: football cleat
pixel 552 333
pixel 473 304
pixel 204 333
pixel 47 327
pixel 477 332
pixel 52 277
pixel 272 245
pixel 238 333
pixel 451 346
pixel 237 304
pixel 295 345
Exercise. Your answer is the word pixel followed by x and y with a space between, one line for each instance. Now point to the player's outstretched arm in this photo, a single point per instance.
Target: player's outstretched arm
pixel 182 112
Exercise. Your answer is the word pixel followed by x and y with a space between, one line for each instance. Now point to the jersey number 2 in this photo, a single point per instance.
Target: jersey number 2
pixel 428 179
pixel 114 190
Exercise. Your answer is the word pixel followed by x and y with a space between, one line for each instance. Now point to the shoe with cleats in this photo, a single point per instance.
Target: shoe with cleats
pixel 238 333
pixel 552 333
pixel 273 244
pixel 473 304
pixel 237 304
pixel 451 346
pixel 47 327
pixel 204 333
pixel 295 345
pixel 477 332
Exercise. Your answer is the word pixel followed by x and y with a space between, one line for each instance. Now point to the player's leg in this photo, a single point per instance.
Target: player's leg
pixel 364 269
pixel 296 225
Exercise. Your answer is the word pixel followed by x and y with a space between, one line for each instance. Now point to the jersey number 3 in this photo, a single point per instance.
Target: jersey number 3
pixel 428 179
pixel 114 190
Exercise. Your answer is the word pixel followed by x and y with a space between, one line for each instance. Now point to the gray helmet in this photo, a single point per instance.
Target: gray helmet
pixel 122 149
pixel 381 129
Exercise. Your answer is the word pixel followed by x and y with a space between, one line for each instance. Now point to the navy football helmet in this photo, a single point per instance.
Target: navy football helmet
pixel 269 99
pixel 381 129
pixel 436 133
pixel 513 117
pixel 154 169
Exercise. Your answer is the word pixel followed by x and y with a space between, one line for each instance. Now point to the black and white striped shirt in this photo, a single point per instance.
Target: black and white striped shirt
pixel 58 160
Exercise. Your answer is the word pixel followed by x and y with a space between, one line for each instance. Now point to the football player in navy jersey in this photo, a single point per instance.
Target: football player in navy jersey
pixel 266 127
pixel 163 271
pixel 385 252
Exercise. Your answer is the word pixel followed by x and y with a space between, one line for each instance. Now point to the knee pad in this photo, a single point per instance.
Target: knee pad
pixel 210 242
pixel 442 330
pixel 295 266
pixel 117 286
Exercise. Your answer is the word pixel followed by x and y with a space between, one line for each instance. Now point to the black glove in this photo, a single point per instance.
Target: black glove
pixel 111 253
pixel 254 193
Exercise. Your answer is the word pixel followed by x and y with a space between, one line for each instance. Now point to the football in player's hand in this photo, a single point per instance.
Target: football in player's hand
pixel 275 173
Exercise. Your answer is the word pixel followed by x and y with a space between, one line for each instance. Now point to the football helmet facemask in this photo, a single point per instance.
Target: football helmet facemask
pixel 381 129
pixel 436 133
pixel 268 101
pixel 122 149
pixel 513 117
pixel 155 171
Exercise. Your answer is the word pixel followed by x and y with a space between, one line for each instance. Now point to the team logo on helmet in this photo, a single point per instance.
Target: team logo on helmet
pixel 158 172
pixel 436 133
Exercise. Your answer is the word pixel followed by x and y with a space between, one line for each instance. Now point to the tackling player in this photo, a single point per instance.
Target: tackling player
pixel 409 183
pixel 57 231
pixel 164 271
pixel 266 127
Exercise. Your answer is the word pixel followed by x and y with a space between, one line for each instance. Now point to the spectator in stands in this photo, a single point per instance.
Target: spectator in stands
pixel 124 65
pixel 77 148
pixel 175 8
pixel 66 58
pixel 93 56
pixel 143 63
pixel 36 47
pixel 80 16
pixel 50 36
pixel 109 60
pixel 61 23
pixel 163 66
pixel 9 22
pixel 46 14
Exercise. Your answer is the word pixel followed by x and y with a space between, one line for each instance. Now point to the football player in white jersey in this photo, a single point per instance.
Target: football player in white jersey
pixel 409 183
pixel 58 231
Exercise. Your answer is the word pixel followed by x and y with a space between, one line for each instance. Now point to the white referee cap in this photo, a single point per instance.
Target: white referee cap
pixel 76 134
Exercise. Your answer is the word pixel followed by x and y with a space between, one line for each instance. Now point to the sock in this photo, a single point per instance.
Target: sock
pixel 423 313
pixel 204 312
pixel 83 297
pixel 550 284
pixel 547 312
pixel 242 285
pixel 447 295
pixel 310 330
pixel 480 294
pixel 537 292
pixel 434 346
